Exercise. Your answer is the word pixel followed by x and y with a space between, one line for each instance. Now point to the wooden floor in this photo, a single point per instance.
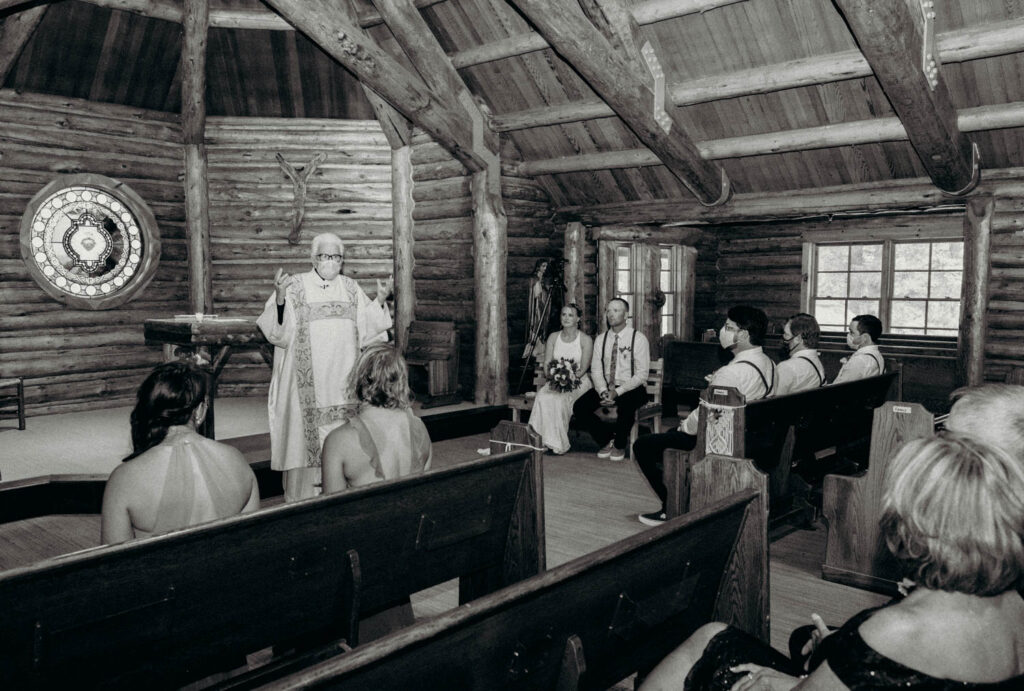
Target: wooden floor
pixel 589 503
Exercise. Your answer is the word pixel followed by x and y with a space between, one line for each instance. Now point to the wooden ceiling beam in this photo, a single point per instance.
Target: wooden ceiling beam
pixel 15 31
pixel 892 39
pixel 421 46
pixel 888 195
pixel 631 94
pixel 331 26
pixel 985 41
pixel 870 131
pixel 221 16
pixel 644 13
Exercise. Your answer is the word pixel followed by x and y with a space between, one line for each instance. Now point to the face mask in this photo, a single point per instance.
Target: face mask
pixel 329 269
pixel 726 338
pixel 851 342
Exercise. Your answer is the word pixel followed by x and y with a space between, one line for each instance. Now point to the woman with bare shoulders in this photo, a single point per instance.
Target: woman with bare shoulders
pixel 553 408
pixel 384 440
pixel 174 477
pixel 953 515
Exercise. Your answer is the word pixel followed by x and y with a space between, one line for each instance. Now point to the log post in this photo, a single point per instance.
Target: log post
pixel 402 208
pixel 573 253
pixel 970 363
pixel 490 259
pixel 193 125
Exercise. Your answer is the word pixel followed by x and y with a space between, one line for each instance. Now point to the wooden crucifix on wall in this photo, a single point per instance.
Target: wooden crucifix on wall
pixel 299 178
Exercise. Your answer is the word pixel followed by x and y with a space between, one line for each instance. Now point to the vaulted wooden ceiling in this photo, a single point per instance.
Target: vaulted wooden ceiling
pixel 778 94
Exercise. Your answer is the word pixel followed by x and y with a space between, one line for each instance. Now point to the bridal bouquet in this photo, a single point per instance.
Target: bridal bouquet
pixel 562 375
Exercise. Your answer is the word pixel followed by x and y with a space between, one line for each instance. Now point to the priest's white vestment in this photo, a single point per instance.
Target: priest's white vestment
pixel 326 323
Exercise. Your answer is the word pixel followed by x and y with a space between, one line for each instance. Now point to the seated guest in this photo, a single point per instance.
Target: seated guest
pixel 751 372
pixel 619 369
pixel 802 370
pixel 866 361
pixel 384 440
pixel 174 477
pixel 953 514
pixel 553 408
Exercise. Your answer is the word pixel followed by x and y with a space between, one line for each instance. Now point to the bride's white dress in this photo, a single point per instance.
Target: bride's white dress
pixel 552 409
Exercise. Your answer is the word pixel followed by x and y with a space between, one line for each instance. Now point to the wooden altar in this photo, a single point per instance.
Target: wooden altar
pixel 209 341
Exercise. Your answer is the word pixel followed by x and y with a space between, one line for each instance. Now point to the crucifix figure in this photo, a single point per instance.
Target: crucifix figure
pixel 299 178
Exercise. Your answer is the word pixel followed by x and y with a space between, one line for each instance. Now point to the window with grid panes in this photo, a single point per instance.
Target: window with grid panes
pixel 668 277
pixel 912 286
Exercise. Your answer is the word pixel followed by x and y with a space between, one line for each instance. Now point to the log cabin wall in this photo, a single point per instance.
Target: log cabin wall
pixel 83 359
pixel 252 204
pixel 443 249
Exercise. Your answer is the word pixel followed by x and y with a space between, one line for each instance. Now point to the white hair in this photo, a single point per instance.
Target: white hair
pixel 322 239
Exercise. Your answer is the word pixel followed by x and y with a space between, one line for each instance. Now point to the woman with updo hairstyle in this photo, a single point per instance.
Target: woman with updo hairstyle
pixel 553 408
pixel 953 516
pixel 384 440
pixel 174 477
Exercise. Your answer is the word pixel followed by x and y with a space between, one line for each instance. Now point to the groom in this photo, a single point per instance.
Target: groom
pixel 619 370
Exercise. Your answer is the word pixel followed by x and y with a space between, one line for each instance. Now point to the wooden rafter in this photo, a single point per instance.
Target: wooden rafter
pixel 985 41
pixel 331 26
pixel 630 93
pixel 419 43
pixel 870 131
pixel 891 40
pixel 15 31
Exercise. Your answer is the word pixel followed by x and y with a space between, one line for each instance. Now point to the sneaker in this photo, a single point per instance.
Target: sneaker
pixel 653 518
pixel 617 455
pixel 607 450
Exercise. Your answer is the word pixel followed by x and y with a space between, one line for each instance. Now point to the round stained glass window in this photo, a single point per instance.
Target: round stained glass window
pixel 90 241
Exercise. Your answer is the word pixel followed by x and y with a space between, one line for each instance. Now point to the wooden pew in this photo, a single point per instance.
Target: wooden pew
pixel 855 553
pixel 588 623
pixel 769 430
pixel 435 346
pixel 687 363
pixel 168 610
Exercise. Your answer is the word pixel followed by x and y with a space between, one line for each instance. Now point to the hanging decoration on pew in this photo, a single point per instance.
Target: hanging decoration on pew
pixel 562 375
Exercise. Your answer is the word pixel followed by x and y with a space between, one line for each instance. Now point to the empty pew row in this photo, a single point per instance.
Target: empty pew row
pixel 173 609
pixel 855 553
pixel 774 431
pixel 595 620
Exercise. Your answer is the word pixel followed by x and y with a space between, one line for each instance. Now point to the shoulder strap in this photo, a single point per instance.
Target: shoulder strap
pixel 821 375
pixel 879 362
pixel 632 355
pixel 764 381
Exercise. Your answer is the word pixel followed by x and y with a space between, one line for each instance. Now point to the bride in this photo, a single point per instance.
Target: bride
pixel 552 408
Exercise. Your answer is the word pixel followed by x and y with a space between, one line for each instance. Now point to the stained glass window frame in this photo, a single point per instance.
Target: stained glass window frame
pixel 106 214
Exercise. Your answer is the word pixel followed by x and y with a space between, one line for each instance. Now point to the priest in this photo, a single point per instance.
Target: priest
pixel 318 322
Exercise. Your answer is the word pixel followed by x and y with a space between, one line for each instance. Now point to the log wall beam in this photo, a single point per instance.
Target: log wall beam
pixel 986 41
pixel 15 31
pixel 193 130
pixel 890 195
pixel 575 244
pixel 891 39
pixel 631 94
pixel 490 265
pixel 331 26
pixel 871 131
pixel 970 363
pixel 402 206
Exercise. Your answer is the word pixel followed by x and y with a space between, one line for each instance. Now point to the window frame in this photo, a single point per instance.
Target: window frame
pixel 888 238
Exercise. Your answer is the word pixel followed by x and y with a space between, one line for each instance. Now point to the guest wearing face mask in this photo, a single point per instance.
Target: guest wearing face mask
pixel 751 372
pixel 802 370
pixel 318 322
pixel 866 361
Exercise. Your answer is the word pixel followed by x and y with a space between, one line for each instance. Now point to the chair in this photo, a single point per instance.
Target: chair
pixel 12 392
pixel 435 346
pixel 650 411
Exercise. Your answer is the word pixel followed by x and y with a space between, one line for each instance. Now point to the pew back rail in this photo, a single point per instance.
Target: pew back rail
pixel 175 608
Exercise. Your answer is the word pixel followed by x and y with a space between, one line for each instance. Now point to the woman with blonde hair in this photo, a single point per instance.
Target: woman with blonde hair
pixel 384 440
pixel 174 477
pixel 953 515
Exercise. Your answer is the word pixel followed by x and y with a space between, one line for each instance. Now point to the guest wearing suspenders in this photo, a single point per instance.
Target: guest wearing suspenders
pixel 751 372
pixel 803 369
pixel 866 361
pixel 619 369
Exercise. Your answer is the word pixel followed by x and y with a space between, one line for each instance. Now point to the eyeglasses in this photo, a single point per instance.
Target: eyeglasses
pixel 325 257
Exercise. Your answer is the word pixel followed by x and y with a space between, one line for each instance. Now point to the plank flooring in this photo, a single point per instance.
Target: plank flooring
pixel 589 503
